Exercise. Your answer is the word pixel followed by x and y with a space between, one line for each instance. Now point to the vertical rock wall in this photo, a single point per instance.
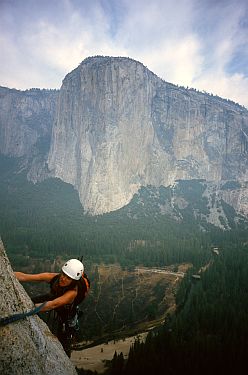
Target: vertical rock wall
pixel 115 126
pixel 118 127
pixel 26 119
pixel 103 134
pixel 27 347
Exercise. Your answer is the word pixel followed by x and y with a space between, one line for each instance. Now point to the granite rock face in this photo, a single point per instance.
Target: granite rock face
pixel 115 126
pixel 103 132
pixel 118 127
pixel 27 346
pixel 26 119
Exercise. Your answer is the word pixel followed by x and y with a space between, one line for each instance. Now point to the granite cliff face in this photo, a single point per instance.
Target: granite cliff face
pixel 26 346
pixel 103 134
pixel 26 119
pixel 118 127
pixel 115 126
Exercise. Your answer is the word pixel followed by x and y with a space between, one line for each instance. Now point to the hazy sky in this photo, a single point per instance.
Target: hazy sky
pixel 195 43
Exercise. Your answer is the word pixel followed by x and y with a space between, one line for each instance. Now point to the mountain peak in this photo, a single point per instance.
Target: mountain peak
pixel 119 127
pixel 108 59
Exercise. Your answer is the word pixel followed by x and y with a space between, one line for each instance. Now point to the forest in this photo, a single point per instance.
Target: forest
pixel 209 330
pixel 46 220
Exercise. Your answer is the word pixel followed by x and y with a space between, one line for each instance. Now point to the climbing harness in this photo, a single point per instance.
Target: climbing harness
pixel 19 316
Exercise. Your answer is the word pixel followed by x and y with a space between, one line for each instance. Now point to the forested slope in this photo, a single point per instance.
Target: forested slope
pixel 46 220
pixel 209 332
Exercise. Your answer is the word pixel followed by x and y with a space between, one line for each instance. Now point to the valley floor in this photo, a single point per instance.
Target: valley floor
pixel 94 358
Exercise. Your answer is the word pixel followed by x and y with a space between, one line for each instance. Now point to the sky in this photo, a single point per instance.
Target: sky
pixel 192 43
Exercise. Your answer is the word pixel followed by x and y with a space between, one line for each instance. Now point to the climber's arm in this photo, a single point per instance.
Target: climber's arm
pixel 65 299
pixel 46 276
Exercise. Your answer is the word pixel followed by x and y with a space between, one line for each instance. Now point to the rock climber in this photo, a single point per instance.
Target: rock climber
pixel 67 290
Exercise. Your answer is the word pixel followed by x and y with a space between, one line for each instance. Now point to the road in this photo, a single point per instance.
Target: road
pixel 158 270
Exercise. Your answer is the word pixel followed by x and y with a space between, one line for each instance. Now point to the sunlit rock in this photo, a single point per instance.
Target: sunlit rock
pixel 118 127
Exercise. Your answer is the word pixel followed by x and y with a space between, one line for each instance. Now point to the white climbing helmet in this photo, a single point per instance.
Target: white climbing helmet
pixel 73 268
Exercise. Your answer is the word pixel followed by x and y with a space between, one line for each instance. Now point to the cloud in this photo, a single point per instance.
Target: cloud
pixel 221 45
pixel 40 52
pixel 234 87
pixel 177 61
pixel 195 43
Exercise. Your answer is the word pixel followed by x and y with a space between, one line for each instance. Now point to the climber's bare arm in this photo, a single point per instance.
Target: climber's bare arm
pixel 65 299
pixel 46 276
